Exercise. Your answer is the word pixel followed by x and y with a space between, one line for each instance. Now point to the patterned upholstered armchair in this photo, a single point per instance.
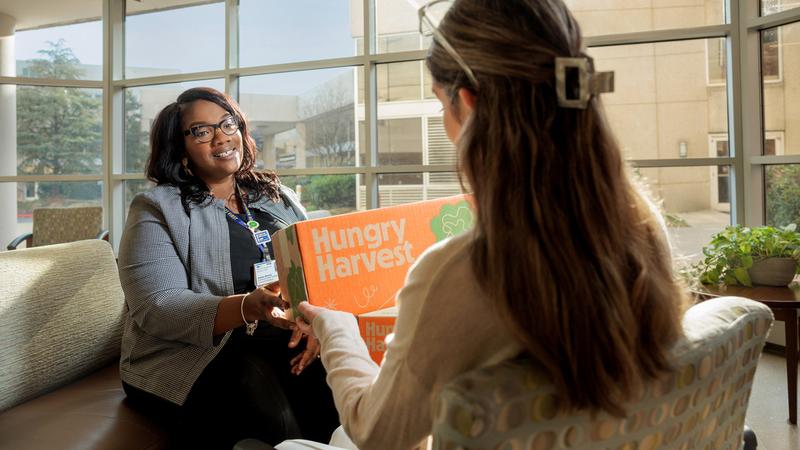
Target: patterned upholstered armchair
pixel 702 406
pixel 60 225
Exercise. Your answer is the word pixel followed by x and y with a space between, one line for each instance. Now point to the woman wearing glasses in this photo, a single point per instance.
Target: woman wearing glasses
pixel 206 347
pixel 589 295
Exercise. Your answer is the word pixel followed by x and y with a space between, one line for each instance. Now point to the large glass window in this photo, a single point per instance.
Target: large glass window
pixel 414 141
pixel 770 57
pixel 69 52
pixel 775 6
pixel 626 16
pixel 689 198
pixel 133 187
pixel 302 119
pixel 401 188
pixel 783 194
pixel 663 107
pixel 400 141
pixel 781 125
pixel 277 31
pixel 48 194
pixel 671 100
pixel 180 40
pixel 325 194
pixel 781 107
pixel 59 131
pixel 397 25
pixel 142 105
pixel 397 82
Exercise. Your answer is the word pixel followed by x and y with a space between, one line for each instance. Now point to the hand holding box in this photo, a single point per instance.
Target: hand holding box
pixel 357 262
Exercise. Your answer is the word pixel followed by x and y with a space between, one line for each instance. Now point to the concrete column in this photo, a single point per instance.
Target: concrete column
pixel 8 132
pixel 268 152
pixel 300 150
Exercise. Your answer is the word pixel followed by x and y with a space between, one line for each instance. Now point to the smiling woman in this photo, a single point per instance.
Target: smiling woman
pixel 190 255
pixel 215 157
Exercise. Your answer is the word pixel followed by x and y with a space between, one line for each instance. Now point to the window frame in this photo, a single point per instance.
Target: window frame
pixel 715 82
pixel 741 29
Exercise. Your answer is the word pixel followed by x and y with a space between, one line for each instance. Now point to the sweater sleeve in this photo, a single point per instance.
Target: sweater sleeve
pixel 441 331
pixel 369 397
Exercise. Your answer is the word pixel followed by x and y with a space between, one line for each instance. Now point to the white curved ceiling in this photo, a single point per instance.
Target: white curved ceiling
pixel 39 13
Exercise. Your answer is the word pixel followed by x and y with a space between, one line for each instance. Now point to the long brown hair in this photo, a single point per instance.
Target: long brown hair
pixel 168 148
pixel 565 245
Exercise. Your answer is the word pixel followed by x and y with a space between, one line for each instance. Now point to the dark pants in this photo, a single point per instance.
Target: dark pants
pixel 247 391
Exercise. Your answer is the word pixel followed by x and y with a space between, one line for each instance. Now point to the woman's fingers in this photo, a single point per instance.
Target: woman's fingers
pixel 304 326
pixel 307 357
pixel 295 360
pixel 280 322
pixel 272 298
pixel 297 334
pixel 312 351
pixel 265 304
pixel 309 311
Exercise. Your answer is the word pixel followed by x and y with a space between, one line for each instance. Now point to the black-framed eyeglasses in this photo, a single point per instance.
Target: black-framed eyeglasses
pixel 205 133
pixel 430 14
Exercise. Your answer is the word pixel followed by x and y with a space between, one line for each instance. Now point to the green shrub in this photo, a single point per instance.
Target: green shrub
pixel 783 194
pixel 330 192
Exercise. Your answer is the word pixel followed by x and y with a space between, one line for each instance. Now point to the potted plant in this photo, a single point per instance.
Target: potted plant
pixel 746 256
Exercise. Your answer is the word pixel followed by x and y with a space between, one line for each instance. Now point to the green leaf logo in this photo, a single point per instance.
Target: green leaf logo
pixel 452 220
pixel 297 287
pixel 290 235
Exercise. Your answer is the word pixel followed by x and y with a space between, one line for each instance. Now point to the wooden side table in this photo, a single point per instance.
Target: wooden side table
pixel 784 303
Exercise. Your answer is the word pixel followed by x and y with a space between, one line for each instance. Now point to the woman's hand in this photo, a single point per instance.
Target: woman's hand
pixel 309 312
pixel 265 303
pixel 308 355
pixel 312 350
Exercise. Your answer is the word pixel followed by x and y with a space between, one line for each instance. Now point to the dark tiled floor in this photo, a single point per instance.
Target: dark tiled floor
pixel 768 412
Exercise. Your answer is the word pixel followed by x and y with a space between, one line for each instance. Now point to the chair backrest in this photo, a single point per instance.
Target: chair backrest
pixel 60 225
pixel 61 315
pixel 513 405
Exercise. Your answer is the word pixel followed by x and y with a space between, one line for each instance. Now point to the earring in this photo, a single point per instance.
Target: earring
pixel 185 163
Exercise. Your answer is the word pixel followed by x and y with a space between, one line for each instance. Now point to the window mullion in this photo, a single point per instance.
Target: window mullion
pixel 232 47
pixel 744 94
pixel 370 105
pixel 113 117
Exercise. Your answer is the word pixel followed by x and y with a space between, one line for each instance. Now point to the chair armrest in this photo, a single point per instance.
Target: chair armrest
pixel 27 237
pixel 103 234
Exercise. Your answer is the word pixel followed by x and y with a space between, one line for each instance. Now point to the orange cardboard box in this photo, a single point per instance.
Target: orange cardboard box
pixel 357 262
pixel 374 327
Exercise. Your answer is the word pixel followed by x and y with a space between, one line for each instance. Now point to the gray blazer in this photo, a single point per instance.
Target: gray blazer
pixel 174 270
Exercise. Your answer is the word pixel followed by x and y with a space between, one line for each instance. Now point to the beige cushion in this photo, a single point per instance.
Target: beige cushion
pixel 59 225
pixel 513 405
pixel 61 316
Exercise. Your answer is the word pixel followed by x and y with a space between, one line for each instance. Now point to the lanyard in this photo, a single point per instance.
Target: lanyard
pixel 251 226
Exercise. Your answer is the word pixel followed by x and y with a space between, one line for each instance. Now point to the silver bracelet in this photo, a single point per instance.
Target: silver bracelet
pixel 250 328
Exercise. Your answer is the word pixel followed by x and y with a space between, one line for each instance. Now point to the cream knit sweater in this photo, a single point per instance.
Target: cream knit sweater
pixel 446 326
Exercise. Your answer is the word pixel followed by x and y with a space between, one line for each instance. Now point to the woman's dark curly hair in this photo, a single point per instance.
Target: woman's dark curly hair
pixel 167 149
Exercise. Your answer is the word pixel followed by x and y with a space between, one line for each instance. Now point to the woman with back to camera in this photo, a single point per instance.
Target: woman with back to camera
pixel 203 347
pixel 590 296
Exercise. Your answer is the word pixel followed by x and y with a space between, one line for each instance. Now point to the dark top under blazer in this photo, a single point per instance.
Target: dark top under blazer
pixel 174 269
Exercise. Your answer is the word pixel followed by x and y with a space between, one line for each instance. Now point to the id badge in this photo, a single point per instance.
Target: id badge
pixel 261 237
pixel 265 272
